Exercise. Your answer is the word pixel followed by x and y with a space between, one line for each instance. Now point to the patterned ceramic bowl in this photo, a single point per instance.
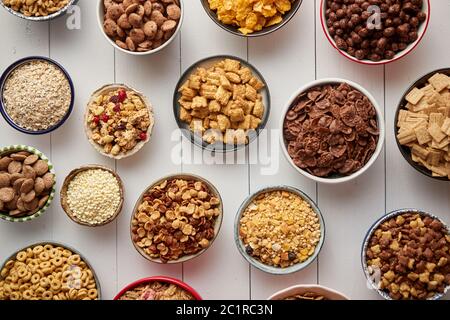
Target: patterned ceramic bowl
pixel 15 148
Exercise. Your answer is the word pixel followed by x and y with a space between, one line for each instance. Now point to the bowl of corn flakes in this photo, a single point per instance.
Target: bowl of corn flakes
pixel 221 103
pixel 251 18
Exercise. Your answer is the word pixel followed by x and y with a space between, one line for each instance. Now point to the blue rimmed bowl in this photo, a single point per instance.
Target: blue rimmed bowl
pixel 257 263
pixel 52 16
pixel 5 77
pixel 369 274
pixel 4 151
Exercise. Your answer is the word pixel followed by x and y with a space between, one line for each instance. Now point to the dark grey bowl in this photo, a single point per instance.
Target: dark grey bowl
pixel 404 150
pixel 197 140
pixel 234 30
pixel 369 234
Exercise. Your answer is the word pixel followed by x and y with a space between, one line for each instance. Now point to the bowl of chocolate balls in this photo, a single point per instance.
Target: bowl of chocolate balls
pixel 375 32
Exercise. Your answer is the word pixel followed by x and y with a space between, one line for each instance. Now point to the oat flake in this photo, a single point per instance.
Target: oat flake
pixel 37 95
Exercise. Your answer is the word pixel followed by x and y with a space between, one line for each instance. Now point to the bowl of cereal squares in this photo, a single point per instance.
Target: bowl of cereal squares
pixel 92 195
pixel 48 271
pixel 251 18
pixel 422 125
pixel 333 130
pixel 221 103
pixel 36 95
pixel 158 288
pixel 308 292
pixel 27 183
pixel 405 256
pixel 176 219
pixel 279 230
pixel 37 10
pixel 140 27
pixel 118 121
pixel 375 32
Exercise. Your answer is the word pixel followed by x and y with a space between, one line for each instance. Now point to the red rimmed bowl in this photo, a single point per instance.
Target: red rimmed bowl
pixel 163 279
pixel 426 7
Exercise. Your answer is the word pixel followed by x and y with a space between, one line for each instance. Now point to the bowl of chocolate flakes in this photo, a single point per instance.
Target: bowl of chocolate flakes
pixel 332 130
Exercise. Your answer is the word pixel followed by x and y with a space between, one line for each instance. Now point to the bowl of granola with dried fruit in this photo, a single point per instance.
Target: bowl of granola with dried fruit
pixel 308 292
pixel 37 95
pixel 27 183
pixel 332 130
pixel 422 125
pixel 158 288
pixel 140 27
pixel 279 230
pixel 405 256
pixel 33 10
pixel 250 18
pixel 176 219
pixel 221 103
pixel 118 121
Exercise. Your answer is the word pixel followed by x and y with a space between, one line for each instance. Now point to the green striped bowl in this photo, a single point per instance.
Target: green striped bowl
pixel 19 147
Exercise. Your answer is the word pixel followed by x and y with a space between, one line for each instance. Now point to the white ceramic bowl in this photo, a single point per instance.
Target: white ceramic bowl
pixel 100 20
pixel 380 118
pixel 423 28
pixel 328 293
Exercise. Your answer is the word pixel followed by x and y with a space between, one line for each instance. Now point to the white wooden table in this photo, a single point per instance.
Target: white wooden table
pixel 289 58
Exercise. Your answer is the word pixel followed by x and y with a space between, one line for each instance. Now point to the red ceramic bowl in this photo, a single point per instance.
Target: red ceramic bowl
pixel 422 30
pixel 177 282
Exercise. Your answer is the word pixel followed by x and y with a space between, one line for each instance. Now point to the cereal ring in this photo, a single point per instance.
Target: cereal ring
pixel 35 278
pixel 21 256
pixel 47 295
pixel 28 294
pixel 39 291
pixel 85 282
pixel 55 285
pixel 82 294
pixel 74 259
pixel 22 272
pixel 66 253
pixel 48 247
pixel 93 294
pixel 34 263
pixel 91 286
pixel 24 287
pixel 84 275
pixel 4 272
pixel 30 253
pixel 15 296
pixel 57 261
pixel 44 283
pixel 9 264
pixel 45 264
pixel 38 249
pixel 72 294
pixel 52 253
pixel 48 271
pixel 44 256
pixel 27 277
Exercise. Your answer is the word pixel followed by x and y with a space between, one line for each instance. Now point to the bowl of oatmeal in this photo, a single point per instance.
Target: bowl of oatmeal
pixel 158 288
pixel 36 95
pixel 118 121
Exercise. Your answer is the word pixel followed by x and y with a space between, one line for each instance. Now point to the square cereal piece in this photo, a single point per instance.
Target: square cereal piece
pixel 435 131
pixel 446 125
pixel 258 109
pixel 232 65
pixel 414 96
pixel 434 157
pixel 223 96
pixel 256 83
pixel 238 91
pixel 443 145
pixel 437 118
pixel 439 81
pixel 195 81
pixel 406 137
pixel 199 103
pixel 214 106
pixel 250 93
pixel 246 74
pixel 420 152
pixel 423 137
pixel 225 83
pixel 401 117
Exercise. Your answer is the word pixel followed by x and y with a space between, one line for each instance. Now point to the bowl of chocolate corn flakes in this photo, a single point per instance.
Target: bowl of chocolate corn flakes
pixel 308 293
pixel 332 130
pixel 158 288
pixel 221 103
pixel 422 125
pixel 249 18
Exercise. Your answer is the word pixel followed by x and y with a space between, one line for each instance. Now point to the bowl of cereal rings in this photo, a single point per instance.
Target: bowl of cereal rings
pixel 48 271
pixel 250 19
